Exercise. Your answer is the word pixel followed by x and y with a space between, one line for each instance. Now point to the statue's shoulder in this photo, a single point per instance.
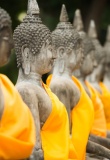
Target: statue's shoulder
pixel 25 89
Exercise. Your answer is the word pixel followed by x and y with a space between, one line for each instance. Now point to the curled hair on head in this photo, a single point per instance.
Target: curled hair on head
pixel 31 33
pixel 65 38
pixel 65 35
pixel 88 45
pixel 99 51
pixel 5 20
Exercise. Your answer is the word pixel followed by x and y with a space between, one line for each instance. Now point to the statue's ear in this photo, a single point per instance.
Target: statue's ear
pixel 25 59
pixel 61 51
pixel 25 52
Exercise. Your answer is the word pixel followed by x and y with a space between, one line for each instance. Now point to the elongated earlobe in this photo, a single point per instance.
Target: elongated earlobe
pixel 27 68
pixel 62 66
pixel 26 60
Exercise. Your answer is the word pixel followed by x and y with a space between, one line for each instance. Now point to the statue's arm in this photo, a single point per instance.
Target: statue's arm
pixel 61 93
pixel 1 102
pixel 31 101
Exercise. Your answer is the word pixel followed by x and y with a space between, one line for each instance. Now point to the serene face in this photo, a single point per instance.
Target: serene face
pixel 88 64
pixel 75 56
pixel 45 59
pixel 6 44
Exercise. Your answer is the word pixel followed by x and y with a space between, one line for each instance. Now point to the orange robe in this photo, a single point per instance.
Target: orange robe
pixel 99 126
pixel 105 97
pixel 17 130
pixel 82 117
pixel 55 131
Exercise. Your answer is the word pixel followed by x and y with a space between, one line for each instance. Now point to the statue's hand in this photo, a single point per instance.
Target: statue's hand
pixel 37 155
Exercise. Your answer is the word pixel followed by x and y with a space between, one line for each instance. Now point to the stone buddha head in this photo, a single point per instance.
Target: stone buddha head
pixel 6 41
pixel 33 43
pixel 100 55
pixel 67 42
pixel 89 61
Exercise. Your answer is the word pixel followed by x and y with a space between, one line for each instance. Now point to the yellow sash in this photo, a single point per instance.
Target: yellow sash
pixel 17 130
pixel 105 97
pixel 55 132
pixel 99 126
pixel 82 120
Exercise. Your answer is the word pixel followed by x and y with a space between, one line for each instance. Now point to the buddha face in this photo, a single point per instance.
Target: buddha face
pixel 75 57
pixel 88 64
pixel 6 44
pixel 45 59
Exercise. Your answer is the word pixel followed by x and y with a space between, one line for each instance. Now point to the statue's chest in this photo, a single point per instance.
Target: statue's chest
pixel 44 104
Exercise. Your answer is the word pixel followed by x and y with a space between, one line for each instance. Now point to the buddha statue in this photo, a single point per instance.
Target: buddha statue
pixel 67 87
pixel 69 50
pixel 96 78
pixel 6 42
pixel 105 96
pixel 17 131
pixel 86 67
pixel 99 130
pixel 35 57
pixel 97 74
pixel 106 78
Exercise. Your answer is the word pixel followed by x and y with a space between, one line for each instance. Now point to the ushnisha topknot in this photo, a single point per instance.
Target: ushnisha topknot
pixel 31 33
pixel 5 20
pixel 92 30
pixel 88 45
pixel 33 8
pixel 77 21
pixel 64 34
pixel 100 52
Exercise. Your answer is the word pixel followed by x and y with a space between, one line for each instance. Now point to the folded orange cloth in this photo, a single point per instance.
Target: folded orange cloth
pixel 105 97
pixel 17 129
pixel 99 127
pixel 55 131
pixel 82 117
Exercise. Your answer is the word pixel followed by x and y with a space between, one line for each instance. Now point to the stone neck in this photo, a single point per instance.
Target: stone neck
pixel 106 79
pixel 94 78
pixel 31 77
pixel 82 77
pixel 61 69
